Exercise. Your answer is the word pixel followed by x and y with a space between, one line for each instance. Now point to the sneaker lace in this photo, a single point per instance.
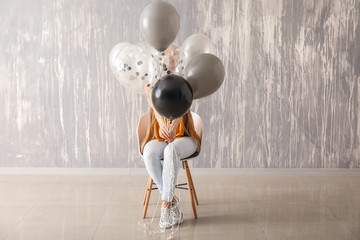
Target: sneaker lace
pixel 164 217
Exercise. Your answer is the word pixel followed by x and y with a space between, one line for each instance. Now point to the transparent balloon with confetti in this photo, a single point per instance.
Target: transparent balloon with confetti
pixel 132 65
pixel 170 61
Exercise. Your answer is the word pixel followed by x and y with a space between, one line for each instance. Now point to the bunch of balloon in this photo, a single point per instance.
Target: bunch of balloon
pixel 176 73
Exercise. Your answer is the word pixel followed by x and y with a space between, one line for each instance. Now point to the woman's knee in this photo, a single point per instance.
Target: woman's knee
pixel 149 153
pixel 152 151
pixel 185 146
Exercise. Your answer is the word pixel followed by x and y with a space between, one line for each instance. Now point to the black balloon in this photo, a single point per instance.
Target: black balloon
pixel 172 96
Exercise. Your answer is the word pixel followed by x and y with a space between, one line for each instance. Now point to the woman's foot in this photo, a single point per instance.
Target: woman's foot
pixel 176 215
pixel 165 220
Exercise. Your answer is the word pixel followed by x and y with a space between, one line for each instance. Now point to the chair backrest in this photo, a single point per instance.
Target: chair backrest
pixel 144 121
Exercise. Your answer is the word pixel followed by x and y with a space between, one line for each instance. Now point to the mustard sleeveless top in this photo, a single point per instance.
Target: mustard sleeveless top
pixel 179 130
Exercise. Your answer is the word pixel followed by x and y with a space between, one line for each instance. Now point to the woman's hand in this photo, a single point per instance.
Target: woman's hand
pixel 167 136
pixel 172 135
pixel 172 130
pixel 164 133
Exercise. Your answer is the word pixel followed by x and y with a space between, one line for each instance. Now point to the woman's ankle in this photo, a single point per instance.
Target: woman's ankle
pixel 165 204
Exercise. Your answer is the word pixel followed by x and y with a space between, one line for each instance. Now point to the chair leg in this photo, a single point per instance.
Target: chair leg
pixel 193 189
pixel 190 188
pixel 146 190
pixel 149 187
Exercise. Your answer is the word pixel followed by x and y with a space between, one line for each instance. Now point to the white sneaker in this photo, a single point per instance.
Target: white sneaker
pixel 165 221
pixel 176 215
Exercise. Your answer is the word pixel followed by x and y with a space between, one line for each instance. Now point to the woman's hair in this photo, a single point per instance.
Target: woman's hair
pixel 188 131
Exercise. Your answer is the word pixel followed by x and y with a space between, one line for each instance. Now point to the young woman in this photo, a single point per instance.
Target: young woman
pixel 155 147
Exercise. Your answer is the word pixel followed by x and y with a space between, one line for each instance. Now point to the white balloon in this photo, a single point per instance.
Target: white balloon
pixel 132 65
pixel 197 44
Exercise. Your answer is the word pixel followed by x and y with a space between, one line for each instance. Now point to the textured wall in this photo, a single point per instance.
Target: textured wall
pixel 291 96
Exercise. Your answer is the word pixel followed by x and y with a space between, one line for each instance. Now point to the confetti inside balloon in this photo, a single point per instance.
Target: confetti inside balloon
pixel 132 65
pixel 170 61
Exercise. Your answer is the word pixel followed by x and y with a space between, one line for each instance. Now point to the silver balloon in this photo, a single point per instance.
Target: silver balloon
pixel 205 74
pixel 195 45
pixel 132 65
pixel 159 24
pixel 170 61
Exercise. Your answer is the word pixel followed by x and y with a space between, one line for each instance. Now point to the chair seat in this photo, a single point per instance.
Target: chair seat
pixel 195 154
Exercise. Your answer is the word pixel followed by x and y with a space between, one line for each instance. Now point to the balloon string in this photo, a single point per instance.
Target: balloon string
pixel 175 157
pixel 147 229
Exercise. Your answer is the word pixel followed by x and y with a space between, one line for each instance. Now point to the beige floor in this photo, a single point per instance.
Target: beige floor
pixel 104 207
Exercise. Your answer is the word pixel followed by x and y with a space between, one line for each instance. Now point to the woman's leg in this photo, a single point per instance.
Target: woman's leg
pixel 183 148
pixel 153 153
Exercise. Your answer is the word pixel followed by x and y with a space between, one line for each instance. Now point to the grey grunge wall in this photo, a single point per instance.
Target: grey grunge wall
pixel 291 96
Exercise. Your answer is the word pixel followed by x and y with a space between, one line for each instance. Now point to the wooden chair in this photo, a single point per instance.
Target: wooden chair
pixel 142 127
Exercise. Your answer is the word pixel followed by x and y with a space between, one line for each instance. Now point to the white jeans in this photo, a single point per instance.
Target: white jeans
pixel 154 151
